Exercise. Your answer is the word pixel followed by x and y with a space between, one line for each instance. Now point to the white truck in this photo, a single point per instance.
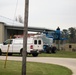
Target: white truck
pixel 34 46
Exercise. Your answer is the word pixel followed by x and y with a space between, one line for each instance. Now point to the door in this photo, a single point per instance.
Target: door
pixel 38 44
pixel 17 45
pixel 35 44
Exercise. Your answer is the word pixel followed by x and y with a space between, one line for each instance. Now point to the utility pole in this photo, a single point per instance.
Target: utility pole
pixel 25 37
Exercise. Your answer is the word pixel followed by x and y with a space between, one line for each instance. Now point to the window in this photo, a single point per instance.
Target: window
pixel 8 42
pixel 35 41
pixel 39 42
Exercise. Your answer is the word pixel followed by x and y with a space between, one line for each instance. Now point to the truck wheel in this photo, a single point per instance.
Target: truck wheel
pixel 54 50
pixel 47 50
pixel 9 54
pixel 21 52
pixel 0 52
pixel 34 54
pixel 50 51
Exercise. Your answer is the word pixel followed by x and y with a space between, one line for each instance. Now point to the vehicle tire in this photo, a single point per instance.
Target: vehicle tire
pixel 9 54
pixel 21 52
pixel 50 51
pixel 47 50
pixel 34 54
pixel 0 52
pixel 54 50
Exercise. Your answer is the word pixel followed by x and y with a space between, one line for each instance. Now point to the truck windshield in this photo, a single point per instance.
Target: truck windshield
pixel 8 41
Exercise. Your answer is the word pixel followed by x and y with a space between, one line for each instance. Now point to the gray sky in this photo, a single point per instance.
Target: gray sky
pixel 43 13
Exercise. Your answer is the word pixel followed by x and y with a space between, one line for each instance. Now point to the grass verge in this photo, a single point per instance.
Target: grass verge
pixel 66 54
pixel 14 68
pixel 62 54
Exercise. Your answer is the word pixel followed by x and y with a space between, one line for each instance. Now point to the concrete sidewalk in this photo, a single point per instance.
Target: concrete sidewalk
pixel 67 62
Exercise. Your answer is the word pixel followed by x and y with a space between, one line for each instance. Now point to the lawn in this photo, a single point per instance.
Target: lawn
pixel 62 54
pixel 14 68
pixel 66 54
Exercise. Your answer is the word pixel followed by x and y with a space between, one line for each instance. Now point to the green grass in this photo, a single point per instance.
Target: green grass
pixel 62 54
pixel 66 54
pixel 14 68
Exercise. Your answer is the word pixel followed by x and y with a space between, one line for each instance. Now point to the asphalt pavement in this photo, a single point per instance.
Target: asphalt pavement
pixel 67 62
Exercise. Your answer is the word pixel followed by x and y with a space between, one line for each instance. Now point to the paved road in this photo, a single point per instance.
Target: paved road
pixel 67 62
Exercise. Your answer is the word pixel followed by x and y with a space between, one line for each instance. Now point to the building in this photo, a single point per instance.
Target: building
pixel 9 28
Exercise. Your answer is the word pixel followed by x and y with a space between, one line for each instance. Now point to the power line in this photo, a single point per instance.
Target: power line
pixel 15 11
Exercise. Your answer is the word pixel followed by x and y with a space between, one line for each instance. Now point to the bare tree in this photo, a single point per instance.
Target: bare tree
pixel 19 19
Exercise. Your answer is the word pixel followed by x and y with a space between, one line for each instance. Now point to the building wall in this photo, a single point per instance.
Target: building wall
pixel 1 32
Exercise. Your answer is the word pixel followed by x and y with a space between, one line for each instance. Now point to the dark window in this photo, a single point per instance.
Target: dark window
pixel 70 46
pixel 35 41
pixel 39 42
pixel 8 42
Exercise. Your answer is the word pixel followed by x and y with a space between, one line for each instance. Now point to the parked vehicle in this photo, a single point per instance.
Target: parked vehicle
pixel 48 44
pixel 49 49
pixel 34 46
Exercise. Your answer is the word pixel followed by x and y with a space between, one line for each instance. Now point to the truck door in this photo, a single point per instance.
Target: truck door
pixel 38 44
pixel 5 45
pixel 17 45
pixel 35 44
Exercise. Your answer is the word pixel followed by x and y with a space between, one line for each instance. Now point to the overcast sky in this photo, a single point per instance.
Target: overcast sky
pixel 43 13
